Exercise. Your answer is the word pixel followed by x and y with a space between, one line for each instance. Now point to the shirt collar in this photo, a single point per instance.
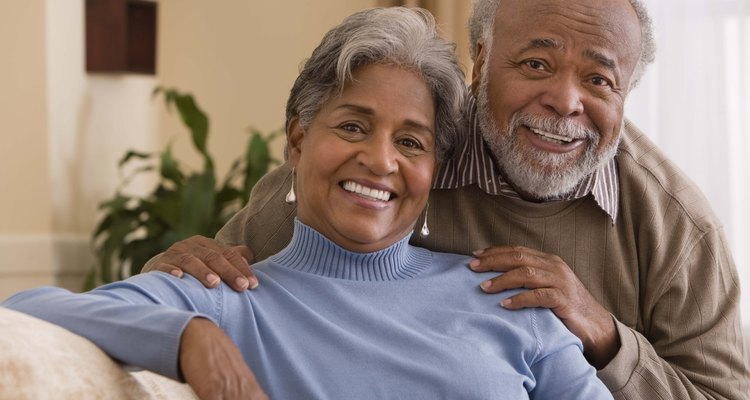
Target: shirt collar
pixel 472 163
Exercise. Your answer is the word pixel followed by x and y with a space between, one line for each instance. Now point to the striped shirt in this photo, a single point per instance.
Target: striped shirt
pixel 472 163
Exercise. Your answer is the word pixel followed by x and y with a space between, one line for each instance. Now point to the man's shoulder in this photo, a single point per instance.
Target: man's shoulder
pixel 650 180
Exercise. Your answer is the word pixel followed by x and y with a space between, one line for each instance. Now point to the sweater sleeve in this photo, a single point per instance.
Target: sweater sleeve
pixel 691 346
pixel 138 321
pixel 559 368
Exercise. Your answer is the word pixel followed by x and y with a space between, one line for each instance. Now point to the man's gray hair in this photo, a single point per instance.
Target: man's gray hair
pixel 404 37
pixel 482 21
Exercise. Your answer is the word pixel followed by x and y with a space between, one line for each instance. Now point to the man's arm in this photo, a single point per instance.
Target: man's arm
pixel 690 345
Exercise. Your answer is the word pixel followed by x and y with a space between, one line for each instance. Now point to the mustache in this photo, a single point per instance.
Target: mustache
pixel 565 127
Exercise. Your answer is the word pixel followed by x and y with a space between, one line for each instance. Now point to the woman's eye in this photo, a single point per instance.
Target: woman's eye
pixel 410 143
pixel 350 127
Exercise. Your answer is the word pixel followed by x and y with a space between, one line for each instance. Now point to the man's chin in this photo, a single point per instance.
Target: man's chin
pixel 544 191
pixel 541 181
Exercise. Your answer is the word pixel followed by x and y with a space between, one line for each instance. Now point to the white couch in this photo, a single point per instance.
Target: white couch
pixel 39 360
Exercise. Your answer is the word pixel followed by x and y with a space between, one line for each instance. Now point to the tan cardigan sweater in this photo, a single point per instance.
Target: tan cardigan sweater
pixel 662 269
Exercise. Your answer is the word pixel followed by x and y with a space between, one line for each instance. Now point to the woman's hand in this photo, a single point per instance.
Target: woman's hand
pixel 213 365
pixel 208 261
pixel 552 284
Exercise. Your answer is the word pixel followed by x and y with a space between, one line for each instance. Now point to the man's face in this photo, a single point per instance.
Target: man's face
pixel 551 89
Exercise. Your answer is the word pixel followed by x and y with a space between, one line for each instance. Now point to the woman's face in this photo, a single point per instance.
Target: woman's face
pixel 364 166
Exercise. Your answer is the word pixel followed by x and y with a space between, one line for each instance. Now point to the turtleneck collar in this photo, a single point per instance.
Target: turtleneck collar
pixel 311 252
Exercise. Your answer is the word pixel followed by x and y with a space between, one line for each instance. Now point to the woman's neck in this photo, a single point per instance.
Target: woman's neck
pixel 311 252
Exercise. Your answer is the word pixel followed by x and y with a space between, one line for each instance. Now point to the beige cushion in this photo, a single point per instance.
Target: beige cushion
pixel 39 360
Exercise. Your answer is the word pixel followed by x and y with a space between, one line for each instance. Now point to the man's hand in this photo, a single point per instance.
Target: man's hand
pixel 552 284
pixel 213 365
pixel 208 261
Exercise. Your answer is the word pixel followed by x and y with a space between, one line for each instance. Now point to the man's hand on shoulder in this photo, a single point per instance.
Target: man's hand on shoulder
pixel 552 284
pixel 208 261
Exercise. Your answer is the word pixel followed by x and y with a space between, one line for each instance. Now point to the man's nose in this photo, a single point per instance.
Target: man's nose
pixel 564 95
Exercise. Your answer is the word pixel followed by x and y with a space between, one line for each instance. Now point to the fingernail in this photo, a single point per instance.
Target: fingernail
pixel 241 283
pixel 176 272
pixel 253 284
pixel 506 302
pixel 474 263
pixel 485 285
pixel 477 252
pixel 212 279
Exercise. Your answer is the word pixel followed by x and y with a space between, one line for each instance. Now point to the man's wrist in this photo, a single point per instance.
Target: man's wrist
pixel 603 347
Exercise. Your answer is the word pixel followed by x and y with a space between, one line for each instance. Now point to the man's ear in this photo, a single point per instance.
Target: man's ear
pixel 476 72
pixel 294 136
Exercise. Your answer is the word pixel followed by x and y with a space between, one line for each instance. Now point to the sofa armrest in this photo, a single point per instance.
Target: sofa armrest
pixel 39 360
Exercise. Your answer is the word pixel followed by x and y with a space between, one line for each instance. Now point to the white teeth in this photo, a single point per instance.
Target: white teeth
pixel 551 136
pixel 363 191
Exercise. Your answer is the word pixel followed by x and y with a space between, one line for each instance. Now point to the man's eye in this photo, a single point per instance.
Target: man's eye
pixel 535 64
pixel 600 81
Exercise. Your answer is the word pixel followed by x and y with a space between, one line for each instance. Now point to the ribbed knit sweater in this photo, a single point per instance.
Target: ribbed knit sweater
pixel 331 324
pixel 662 268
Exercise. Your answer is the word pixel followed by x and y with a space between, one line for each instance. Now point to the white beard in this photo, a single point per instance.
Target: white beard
pixel 540 174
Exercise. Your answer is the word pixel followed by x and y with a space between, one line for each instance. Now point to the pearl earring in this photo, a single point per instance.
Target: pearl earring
pixel 425 231
pixel 291 197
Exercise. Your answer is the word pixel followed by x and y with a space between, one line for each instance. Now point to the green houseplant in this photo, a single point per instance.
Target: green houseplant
pixel 184 203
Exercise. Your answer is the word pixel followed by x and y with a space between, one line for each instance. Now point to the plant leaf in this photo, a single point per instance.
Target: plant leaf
pixel 197 199
pixel 169 168
pixel 132 154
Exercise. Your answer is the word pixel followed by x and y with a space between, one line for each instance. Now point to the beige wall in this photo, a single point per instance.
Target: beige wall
pixel 239 60
pixel 23 111
pixel 63 132
pixel 25 203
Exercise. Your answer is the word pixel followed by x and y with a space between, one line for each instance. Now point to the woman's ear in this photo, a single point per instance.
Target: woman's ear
pixel 295 133
pixel 476 72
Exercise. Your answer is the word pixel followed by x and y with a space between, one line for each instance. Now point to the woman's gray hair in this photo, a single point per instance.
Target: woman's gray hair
pixel 404 37
pixel 482 22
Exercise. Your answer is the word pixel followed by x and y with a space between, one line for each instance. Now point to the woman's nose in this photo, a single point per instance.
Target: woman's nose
pixel 379 156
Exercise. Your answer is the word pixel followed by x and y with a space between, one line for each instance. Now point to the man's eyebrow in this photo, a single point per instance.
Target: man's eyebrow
pixel 544 43
pixel 605 61
pixel 547 43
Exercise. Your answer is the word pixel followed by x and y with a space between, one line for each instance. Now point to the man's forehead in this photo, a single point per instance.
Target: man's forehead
pixel 615 17
pixel 610 25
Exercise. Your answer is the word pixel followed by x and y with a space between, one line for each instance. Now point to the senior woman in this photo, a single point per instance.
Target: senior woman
pixel 347 309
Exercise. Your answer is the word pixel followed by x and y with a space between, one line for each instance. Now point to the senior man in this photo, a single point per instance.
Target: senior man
pixel 599 225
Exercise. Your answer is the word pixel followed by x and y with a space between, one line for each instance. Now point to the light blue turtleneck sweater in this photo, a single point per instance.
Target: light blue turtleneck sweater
pixel 327 323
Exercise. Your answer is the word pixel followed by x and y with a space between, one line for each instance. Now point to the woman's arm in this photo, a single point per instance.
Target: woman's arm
pixel 152 321
pixel 129 320
pixel 213 365
pixel 559 368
